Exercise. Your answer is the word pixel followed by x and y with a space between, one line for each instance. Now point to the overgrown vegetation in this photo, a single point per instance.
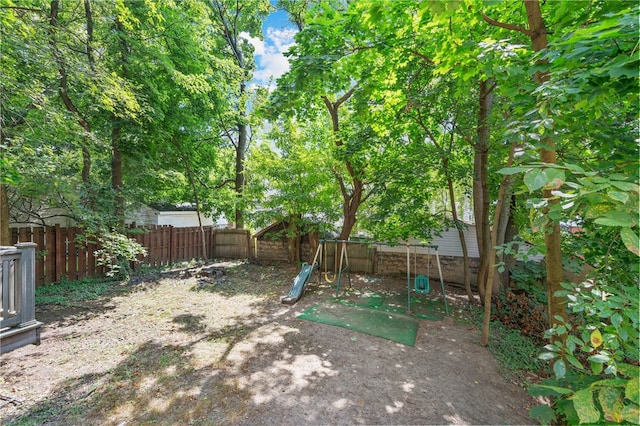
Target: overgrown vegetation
pixel 117 252
pixel 515 351
pixel 67 293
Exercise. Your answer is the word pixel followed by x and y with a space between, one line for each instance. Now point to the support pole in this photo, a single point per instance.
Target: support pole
pixel 444 296
pixel 343 254
pixel 408 278
pixel 315 261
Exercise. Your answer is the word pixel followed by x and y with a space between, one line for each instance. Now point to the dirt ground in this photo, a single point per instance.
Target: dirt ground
pixel 180 349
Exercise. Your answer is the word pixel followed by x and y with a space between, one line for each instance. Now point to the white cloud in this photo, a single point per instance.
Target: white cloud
pixel 258 45
pixel 269 54
pixel 282 39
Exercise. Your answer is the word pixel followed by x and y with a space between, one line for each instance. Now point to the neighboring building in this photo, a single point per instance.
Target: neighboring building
pixel 448 243
pixel 42 217
pixel 158 214
pixel 179 216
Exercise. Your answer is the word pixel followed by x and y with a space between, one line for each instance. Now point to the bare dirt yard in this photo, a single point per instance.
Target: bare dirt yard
pixel 175 348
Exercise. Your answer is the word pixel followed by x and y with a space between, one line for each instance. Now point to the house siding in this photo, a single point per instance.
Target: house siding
pixel 448 244
pixel 147 216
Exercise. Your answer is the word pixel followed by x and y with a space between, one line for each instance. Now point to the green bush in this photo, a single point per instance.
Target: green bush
pixel 116 252
pixel 595 359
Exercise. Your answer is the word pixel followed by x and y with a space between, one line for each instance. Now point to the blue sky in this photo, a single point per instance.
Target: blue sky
pixel 278 35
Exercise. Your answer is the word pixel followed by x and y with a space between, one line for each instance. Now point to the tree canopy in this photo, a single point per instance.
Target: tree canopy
pixel 396 118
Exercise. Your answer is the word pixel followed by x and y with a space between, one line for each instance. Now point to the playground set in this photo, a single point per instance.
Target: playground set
pixel 379 315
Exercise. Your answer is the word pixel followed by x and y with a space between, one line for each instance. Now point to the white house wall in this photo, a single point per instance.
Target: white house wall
pixel 448 244
pixel 144 216
pixel 182 219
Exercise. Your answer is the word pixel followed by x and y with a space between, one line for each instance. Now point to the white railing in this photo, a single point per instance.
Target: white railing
pixel 18 325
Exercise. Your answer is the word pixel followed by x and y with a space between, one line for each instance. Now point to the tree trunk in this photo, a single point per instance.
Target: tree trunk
pixel 537 32
pixel 117 180
pixel 481 196
pixel 508 258
pixel 314 242
pixel 5 232
pixel 293 239
pixel 463 243
pixel 501 229
pixel 241 149
pixel 116 172
pixel 504 185
pixel 350 208
pixel 354 198
pixel 63 83
pixel 196 200
pixel 553 256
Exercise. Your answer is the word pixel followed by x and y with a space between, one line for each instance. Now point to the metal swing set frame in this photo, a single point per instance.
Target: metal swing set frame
pixel 421 282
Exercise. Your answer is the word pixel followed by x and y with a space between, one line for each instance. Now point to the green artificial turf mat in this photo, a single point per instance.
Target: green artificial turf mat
pixel 397 303
pixel 391 326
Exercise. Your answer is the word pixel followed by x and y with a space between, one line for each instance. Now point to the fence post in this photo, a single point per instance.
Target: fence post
pixel 172 245
pixel 27 278
pixel 249 251
pixel 61 253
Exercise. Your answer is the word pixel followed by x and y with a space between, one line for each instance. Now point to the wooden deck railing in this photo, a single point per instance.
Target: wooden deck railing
pixel 18 325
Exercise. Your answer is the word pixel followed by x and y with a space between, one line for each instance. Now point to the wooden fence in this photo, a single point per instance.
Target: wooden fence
pixel 62 252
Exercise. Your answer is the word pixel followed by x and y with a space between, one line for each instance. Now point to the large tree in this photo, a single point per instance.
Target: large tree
pixel 233 21
pixel 291 182
pixel 107 94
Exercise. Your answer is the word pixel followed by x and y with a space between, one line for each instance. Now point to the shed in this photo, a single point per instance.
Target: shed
pixel 271 244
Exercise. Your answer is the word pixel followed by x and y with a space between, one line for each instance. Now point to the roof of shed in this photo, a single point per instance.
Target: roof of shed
pixel 276 226
pixel 169 207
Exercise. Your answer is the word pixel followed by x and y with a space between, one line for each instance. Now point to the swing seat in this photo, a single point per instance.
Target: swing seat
pixel 328 278
pixel 421 284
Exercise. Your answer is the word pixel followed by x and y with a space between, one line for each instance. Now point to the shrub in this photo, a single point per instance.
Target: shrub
pixel 116 252
pixel 595 360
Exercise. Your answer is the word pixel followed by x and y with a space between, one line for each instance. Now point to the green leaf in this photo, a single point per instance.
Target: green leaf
pixel 629 370
pixel 631 413
pixel 631 391
pixel 585 407
pixel 617 383
pixel 511 170
pixel 535 179
pixel 546 356
pixel 596 367
pixel 623 66
pixel 543 413
pixel 575 168
pixel 574 361
pixel 619 220
pixel 625 186
pixel 599 358
pixel 555 178
pixel 616 320
pixel 548 390
pixel 619 196
pixel 630 240
pixel 611 403
pixel 559 368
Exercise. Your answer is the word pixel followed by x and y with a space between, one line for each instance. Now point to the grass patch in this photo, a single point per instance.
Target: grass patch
pixel 517 354
pixel 66 293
